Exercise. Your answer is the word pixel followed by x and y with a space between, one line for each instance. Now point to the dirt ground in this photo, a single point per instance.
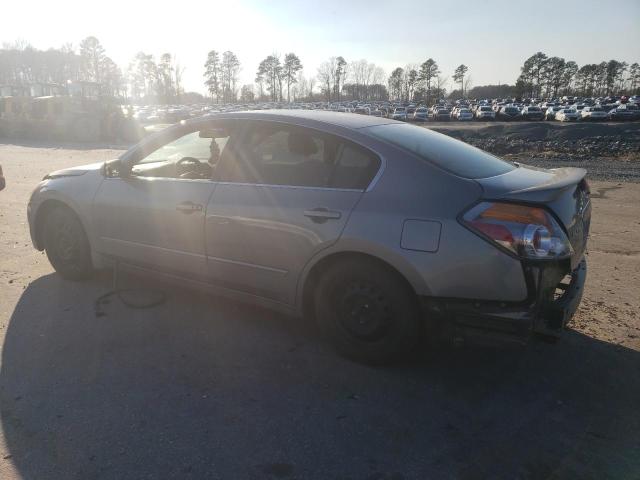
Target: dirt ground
pixel 202 387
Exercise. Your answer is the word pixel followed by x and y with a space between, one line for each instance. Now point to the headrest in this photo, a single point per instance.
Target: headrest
pixel 302 144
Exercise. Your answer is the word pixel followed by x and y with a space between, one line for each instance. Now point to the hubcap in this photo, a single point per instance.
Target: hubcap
pixel 65 242
pixel 364 312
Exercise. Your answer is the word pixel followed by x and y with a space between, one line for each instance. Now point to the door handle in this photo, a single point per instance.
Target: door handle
pixel 189 207
pixel 322 214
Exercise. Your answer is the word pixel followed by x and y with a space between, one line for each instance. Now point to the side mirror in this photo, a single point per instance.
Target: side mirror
pixel 117 169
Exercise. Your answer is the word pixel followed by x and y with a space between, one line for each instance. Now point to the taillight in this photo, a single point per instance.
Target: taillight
pixel 529 232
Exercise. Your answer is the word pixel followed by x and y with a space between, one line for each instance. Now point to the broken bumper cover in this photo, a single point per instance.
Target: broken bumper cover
pixel 553 299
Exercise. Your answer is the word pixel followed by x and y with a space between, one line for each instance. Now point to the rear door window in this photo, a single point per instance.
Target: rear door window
pixel 278 154
pixel 281 154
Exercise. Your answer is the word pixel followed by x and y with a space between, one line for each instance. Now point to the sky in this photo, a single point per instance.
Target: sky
pixel 491 37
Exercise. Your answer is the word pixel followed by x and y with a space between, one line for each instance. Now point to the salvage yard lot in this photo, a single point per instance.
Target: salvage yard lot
pixel 204 387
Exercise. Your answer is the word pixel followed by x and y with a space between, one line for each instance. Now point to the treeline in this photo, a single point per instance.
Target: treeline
pixel 541 76
pixel 282 79
pixel 21 65
pixel 145 78
pixel 550 76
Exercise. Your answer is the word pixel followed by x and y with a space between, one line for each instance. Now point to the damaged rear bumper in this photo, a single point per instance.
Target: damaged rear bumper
pixel 554 297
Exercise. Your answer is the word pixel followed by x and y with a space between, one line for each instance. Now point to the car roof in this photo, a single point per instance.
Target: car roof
pixel 302 117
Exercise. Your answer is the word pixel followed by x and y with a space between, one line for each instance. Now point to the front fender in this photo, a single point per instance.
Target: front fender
pixel 74 192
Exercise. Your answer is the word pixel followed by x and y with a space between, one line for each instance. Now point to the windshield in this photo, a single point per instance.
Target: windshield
pixel 452 155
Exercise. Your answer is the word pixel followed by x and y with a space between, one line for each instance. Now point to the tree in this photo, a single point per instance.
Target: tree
pixel 246 93
pixel 411 81
pixel 363 75
pixel 532 73
pixel 92 54
pixel 615 71
pixel 113 83
pixel 490 91
pixel 396 83
pixel 143 75
pixel 326 72
pixel 178 70
pixel 440 91
pixel 458 76
pixel 270 71
pixel 634 77
pixel 165 84
pixel 212 74
pixel 585 78
pixel 340 73
pixel 229 69
pixel 552 75
pixel 568 75
pixel 428 72
pixel 290 69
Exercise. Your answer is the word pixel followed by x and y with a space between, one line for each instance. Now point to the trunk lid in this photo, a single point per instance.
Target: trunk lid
pixel 564 191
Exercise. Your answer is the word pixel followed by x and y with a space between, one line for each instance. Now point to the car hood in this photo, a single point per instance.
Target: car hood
pixel 75 171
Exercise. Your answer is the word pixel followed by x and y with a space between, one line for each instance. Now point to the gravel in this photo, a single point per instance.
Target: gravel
pixel 608 151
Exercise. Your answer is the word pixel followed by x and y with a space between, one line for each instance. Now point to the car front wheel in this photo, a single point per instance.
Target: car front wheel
pixel 66 244
pixel 367 312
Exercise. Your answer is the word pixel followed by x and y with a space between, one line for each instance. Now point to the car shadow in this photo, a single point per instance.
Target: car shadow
pixel 202 387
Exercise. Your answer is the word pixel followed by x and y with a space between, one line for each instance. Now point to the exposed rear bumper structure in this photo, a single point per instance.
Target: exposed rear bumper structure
pixel 554 297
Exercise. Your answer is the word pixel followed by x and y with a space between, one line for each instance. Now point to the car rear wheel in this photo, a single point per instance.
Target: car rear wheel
pixel 66 244
pixel 367 312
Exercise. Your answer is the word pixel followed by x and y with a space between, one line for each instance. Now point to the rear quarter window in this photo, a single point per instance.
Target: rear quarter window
pixel 447 153
pixel 355 167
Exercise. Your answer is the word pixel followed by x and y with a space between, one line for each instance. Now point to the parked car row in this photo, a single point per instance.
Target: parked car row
pixel 563 109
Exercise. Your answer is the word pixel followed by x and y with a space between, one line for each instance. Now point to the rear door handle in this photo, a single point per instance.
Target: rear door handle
pixel 322 214
pixel 189 207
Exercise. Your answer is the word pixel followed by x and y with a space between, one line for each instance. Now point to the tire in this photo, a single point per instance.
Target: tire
pixel 66 244
pixel 367 312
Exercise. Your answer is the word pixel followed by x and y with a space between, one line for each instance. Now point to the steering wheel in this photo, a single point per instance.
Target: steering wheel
pixel 189 166
pixel 191 161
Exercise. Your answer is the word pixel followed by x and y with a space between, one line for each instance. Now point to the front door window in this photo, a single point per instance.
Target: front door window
pixel 192 156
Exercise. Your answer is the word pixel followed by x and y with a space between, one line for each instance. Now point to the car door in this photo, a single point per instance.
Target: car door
pixel 284 195
pixel 155 216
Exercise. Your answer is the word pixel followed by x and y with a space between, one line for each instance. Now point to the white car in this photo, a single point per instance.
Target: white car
pixel 464 114
pixel 400 113
pixel 593 113
pixel 421 114
pixel 567 115
pixel 485 112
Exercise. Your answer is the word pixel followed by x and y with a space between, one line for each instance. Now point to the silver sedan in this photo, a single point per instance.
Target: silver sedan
pixel 373 227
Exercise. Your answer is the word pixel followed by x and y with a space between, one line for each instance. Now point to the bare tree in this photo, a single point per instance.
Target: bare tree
pixel 326 72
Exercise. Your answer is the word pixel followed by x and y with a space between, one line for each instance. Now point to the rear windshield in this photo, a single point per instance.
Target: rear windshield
pixel 452 155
